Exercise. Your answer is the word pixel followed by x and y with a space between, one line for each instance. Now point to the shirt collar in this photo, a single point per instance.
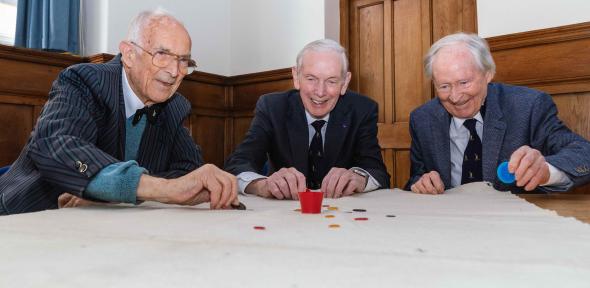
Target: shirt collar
pixel 311 119
pixel 132 102
pixel 458 122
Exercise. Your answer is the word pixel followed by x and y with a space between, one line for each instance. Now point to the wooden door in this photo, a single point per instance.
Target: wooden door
pixel 386 41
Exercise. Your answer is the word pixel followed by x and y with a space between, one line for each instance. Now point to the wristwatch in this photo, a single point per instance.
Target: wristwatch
pixel 361 172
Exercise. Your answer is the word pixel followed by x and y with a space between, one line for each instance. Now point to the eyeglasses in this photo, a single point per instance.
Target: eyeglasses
pixel 162 59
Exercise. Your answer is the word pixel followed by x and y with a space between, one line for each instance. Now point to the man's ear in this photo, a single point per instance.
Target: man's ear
pixel 295 77
pixel 127 53
pixel 346 82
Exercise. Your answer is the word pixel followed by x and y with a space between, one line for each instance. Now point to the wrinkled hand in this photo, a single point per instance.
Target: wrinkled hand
pixel 341 182
pixel 205 184
pixel 429 183
pixel 283 184
pixel 529 168
pixel 67 200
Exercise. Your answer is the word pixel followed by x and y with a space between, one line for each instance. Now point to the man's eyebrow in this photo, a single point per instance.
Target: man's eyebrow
pixel 162 49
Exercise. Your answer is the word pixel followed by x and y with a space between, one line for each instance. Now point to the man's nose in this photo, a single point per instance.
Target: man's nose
pixel 172 68
pixel 321 89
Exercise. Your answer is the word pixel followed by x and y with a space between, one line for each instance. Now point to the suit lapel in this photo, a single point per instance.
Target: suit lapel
pixel 298 132
pixel 439 125
pixel 338 125
pixel 121 119
pixel 493 134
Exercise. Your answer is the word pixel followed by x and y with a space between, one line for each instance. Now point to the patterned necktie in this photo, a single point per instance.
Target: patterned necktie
pixel 472 171
pixel 316 154
pixel 151 112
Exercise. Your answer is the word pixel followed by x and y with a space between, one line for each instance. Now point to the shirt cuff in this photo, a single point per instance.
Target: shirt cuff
pixel 557 178
pixel 245 178
pixel 372 183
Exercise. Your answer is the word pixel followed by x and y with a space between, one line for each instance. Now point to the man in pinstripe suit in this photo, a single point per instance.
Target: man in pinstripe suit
pixel 113 132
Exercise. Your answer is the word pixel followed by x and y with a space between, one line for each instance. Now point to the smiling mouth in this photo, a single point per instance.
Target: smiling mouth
pixel 165 83
pixel 317 102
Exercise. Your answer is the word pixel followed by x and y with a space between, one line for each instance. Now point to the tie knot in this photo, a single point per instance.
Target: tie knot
pixel 317 125
pixel 470 125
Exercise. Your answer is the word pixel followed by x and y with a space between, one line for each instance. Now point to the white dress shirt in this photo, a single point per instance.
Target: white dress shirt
pixel 245 178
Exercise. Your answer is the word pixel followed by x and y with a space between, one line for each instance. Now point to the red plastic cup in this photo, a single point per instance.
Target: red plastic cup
pixel 311 202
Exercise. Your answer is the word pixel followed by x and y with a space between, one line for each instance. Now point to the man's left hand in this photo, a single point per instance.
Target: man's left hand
pixel 529 168
pixel 342 182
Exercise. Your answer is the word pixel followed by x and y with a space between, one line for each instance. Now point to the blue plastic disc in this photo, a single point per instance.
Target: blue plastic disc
pixel 503 173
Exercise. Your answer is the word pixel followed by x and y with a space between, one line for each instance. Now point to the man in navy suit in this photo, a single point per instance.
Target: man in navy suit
pixel 113 132
pixel 473 125
pixel 319 135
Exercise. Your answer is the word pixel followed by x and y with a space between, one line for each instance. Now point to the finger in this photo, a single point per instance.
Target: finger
pixel 538 176
pixel 274 190
pixel 225 197
pixel 524 166
pixel 234 191
pixel 418 187
pixel 428 187
pixel 291 180
pixel 215 190
pixel 516 157
pixel 350 188
pixel 331 185
pixel 438 184
pixel 344 180
pixel 325 181
pixel 300 182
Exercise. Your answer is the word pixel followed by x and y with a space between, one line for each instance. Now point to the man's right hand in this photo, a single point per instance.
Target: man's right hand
pixel 283 184
pixel 429 183
pixel 205 184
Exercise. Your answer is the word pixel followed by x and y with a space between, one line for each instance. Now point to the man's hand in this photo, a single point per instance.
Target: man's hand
pixel 283 184
pixel 67 200
pixel 341 182
pixel 429 183
pixel 529 168
pixel 205 184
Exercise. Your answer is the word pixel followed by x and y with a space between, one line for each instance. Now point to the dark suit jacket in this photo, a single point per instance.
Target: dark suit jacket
pixel 515 116
pixel 81 130
pixel 279 132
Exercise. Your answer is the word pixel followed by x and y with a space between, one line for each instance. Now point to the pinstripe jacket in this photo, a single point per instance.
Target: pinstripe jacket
pixel 81 130
pixel 515 116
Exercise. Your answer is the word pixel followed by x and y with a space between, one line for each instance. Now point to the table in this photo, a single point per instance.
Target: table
pixel 471 236
pixel 569 205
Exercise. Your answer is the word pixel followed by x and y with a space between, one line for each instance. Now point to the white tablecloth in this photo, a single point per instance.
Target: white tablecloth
pixel 471 236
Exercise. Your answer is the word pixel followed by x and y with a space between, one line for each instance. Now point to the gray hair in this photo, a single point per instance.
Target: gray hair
pixel 324 45
pixel 478 47
pixel 140 23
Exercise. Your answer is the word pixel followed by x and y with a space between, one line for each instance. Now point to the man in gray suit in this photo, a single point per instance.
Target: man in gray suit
pixel 473 125
pixel 113 132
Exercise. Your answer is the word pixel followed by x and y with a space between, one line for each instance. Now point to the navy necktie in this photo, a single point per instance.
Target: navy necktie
pixel 315 157
pixel 151 112
pixel 472 171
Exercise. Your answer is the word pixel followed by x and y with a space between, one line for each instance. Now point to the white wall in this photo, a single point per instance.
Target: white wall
pixel 267 34
pixel 500 17
pixel 206 20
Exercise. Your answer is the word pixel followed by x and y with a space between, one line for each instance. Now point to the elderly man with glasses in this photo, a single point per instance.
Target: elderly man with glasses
pixel 474 125
pixel 113 132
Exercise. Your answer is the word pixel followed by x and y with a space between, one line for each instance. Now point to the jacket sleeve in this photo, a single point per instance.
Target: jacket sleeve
pixel 563 148
pixel 251 154
pixel 417 168
pixel 62 145
pixel 368 154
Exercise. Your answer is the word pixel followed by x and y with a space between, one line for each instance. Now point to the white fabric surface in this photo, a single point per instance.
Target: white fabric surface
pixel 471 236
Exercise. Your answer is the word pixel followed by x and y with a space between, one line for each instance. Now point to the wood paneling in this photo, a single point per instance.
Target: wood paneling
pixel 386 41
pixel 222 107
pixel 554 60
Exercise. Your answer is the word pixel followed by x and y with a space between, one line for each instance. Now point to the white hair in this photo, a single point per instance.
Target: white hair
pixel 139 24
pixel 324 45
pixel 478 47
